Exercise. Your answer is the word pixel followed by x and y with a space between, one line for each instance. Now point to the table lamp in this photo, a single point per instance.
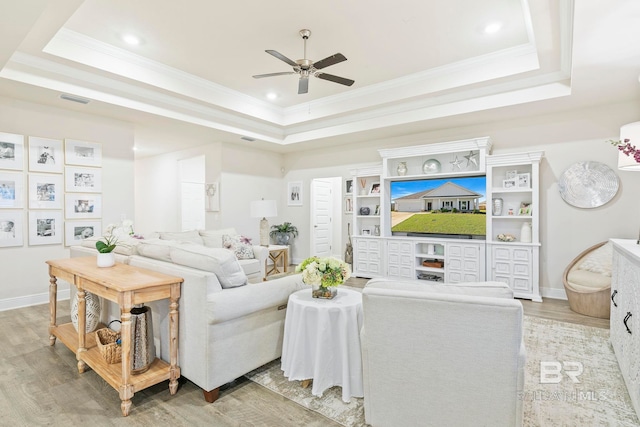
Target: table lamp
pixel 264 209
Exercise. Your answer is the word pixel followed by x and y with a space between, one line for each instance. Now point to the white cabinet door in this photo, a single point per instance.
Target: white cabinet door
pixel 400 262
pixel 367 257
pixel 512 265
pixel 463 263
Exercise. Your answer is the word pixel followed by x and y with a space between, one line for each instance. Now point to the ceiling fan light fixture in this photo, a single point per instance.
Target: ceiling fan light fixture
pixel 306 67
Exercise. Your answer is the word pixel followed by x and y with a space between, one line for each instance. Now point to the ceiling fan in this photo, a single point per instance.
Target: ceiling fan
pixel 306 67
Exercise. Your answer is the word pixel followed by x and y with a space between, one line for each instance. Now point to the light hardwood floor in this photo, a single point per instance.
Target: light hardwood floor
pixel 40 384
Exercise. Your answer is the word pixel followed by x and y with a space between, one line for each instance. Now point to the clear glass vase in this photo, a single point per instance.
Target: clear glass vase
pixel 325 292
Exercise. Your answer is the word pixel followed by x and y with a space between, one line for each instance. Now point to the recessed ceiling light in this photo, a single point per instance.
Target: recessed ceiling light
pixel 131 39
pixel 272 96
pixel 493 27
pixel 135 148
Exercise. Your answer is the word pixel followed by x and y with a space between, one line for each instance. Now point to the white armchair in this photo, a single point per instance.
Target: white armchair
pixel 442 355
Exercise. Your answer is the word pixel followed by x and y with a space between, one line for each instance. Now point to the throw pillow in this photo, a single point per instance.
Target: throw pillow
pixel 239 245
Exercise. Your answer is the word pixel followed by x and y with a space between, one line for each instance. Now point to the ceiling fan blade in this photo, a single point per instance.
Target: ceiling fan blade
pixel 335 79
pixel 333 59
pixel 260 76
pixel 303 85
pixel 281 57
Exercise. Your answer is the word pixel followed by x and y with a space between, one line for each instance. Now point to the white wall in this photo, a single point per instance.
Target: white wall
pixel 244 175
pixel 25 279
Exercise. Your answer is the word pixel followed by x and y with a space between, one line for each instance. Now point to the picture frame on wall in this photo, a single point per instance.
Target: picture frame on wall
pixel 11 151
pixel 45 228
pixel 348 186
pixel 294 193
pixel 11 190
pixel 77 231
pixel 524 180
pixel 83 205
pixel 45 155
pixel 11 226
pixel 82 180
pixel 45 191
pixel 348 205
pixel 82 153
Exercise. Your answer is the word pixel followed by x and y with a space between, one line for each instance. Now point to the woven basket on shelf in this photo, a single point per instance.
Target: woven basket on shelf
pixel 106 340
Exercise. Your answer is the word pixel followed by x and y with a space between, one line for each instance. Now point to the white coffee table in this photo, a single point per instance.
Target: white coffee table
pixel 322 342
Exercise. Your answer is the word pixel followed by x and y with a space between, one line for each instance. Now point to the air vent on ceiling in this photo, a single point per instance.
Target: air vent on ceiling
pixel 247 138
pixel 74 98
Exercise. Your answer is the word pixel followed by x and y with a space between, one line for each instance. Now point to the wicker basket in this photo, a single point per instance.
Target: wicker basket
pixel 106 340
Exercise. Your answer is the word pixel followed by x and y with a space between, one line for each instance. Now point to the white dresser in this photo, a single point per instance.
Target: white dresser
pixel 625 314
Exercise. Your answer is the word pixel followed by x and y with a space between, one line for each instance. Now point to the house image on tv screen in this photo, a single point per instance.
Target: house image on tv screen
pixel 448 196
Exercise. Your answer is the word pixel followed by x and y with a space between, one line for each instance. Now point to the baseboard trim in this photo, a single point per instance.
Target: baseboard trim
pixel 553 293
pixel 29 300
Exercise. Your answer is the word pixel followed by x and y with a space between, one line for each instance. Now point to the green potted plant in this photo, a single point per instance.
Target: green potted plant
pixel 105 247
pixel 282 233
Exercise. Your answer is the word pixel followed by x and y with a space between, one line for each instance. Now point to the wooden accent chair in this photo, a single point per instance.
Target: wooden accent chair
pixel 587 281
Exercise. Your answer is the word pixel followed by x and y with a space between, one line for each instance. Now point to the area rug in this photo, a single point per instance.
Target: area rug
pixel 600 397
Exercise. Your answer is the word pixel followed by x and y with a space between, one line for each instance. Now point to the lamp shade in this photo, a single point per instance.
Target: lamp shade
pixel 632 133
pixel 263 209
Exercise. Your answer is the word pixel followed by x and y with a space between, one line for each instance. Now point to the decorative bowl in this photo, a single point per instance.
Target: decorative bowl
pixel 431 166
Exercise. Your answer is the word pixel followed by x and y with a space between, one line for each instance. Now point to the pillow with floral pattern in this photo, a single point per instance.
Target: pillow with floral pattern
pixel 239 245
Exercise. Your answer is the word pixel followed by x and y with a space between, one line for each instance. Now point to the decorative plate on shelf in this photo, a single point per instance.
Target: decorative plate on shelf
pixel 588 184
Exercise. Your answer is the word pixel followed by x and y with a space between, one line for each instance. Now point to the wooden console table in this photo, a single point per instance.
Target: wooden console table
pixel 126 286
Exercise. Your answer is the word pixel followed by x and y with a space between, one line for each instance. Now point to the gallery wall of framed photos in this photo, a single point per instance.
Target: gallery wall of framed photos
pixel 50 188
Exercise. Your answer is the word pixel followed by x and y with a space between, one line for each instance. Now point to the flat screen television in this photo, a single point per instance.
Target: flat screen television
pixel 443 207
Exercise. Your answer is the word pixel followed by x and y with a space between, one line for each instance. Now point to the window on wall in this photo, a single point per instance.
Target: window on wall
pixel 192 173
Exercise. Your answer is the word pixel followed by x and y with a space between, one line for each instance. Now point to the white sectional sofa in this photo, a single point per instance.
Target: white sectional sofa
pixel 228 325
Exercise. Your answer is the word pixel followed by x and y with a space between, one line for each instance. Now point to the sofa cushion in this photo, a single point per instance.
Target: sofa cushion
pixel 213 238
pixel 247 300
pixel 183 236
pixel 156 248
pixel 599 260
pixel 587 281
pixel 480 289
pixel 221 262
pixel 250 266
pixel 239 245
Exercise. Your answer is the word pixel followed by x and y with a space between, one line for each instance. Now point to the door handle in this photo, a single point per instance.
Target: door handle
pixel 613 295
pixel 625 321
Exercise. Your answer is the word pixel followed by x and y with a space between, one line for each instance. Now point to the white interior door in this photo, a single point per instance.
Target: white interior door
pixel 192 196
pixel 321 217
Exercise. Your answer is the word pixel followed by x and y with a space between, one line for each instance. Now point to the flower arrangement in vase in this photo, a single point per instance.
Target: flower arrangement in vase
pixel 324 275
pixel 363 186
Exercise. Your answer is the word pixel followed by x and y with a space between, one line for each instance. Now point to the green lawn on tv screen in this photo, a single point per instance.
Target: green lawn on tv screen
pixel 444 223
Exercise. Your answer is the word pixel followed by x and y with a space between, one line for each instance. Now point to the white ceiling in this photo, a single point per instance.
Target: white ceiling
pixel 416 64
